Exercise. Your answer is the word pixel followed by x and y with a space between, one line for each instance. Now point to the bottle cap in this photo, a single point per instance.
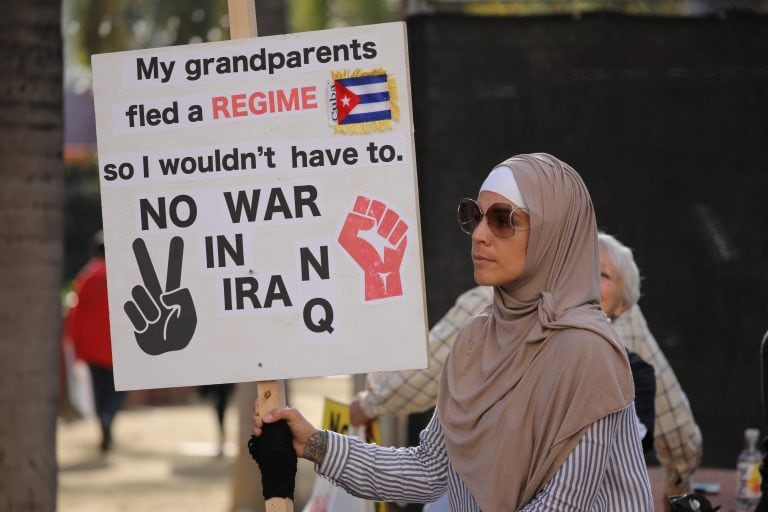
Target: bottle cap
pixel 751 434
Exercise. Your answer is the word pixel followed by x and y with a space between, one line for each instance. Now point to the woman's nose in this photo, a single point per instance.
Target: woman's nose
pixel 482 232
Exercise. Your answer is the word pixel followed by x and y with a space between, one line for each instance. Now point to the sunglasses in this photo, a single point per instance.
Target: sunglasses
pixel 503 219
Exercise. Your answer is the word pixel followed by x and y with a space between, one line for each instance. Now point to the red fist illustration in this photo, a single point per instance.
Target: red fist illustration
pixel 379 253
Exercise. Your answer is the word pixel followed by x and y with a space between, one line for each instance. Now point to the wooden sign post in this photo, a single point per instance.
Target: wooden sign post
pixel 271 393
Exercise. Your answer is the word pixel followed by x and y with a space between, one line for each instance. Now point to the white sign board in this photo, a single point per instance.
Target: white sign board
pixel 260 208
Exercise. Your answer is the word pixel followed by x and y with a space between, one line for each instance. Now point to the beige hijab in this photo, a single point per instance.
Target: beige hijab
pixel 526 377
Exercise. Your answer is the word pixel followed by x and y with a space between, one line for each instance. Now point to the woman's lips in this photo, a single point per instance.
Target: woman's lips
pixel 479 259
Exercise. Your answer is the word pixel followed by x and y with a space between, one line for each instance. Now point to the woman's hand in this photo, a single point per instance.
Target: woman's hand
pixel 357 416
pixel 309 442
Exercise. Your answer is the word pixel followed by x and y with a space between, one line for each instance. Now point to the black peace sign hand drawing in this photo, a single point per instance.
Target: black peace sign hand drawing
pixel 163 320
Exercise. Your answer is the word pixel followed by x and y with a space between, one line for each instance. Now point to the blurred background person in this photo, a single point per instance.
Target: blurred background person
pixel 87 328
pixel 219 395
pixel 677 438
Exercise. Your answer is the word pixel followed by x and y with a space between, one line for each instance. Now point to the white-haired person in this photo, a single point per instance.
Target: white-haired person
pixel 677 438
pixel 535 403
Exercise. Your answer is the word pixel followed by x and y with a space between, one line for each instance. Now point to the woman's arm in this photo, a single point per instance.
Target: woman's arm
pixel 416 474
pixel 369 471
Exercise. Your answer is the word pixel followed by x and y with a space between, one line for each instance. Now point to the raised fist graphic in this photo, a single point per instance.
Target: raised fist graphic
pixel 163 320
pixel 374 236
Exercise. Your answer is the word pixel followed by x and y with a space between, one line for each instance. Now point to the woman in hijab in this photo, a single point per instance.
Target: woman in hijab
pixel 534 411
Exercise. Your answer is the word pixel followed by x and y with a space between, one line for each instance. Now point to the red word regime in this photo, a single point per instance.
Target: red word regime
pixel 264 102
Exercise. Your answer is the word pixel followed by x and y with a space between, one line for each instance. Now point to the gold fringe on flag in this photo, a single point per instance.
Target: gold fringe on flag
pixel 371 126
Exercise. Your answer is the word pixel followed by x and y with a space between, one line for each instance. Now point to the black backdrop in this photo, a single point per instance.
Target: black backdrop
pixel 665 119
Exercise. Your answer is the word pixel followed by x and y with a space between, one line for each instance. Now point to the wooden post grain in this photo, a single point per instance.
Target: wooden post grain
pixel 242 19
pixel 242 24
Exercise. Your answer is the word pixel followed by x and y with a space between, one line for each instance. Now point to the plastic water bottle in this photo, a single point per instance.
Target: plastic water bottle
pixel 748 473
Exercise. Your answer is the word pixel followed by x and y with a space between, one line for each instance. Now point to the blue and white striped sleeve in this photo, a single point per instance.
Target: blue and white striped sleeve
pixel 605 472
pixel 416 474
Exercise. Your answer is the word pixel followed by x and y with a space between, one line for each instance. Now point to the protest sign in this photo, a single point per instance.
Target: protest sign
pixel 336 418
pixel 325 495
pixel 260 208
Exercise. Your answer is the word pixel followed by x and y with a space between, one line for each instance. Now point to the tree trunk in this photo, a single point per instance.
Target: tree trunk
pixel 31 198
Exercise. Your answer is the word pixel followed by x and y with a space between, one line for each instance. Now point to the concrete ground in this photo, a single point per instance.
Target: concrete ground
pixel 165 458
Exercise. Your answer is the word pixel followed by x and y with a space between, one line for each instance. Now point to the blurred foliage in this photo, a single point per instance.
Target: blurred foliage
pixel 307 15
pixel 319 14
pixel 101 26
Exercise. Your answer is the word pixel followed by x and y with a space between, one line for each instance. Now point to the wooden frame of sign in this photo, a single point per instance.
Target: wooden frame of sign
pixel 271 394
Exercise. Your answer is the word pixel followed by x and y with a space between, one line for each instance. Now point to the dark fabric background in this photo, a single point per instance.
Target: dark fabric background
pixel 665 119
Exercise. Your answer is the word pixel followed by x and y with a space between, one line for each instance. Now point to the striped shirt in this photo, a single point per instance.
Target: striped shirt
pixel 605 472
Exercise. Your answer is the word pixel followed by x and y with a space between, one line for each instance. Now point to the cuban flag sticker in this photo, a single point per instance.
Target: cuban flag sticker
pixel 362 101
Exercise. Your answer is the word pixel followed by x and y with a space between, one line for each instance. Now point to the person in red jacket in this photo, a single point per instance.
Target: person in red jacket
pixel 88 329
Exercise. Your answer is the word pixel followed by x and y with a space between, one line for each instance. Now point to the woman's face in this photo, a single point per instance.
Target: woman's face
pixel 497 261
pixel 611 299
